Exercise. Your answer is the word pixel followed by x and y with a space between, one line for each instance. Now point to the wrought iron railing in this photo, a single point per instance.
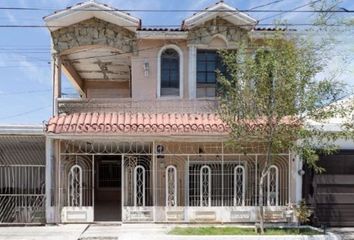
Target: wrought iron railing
pixel 67 105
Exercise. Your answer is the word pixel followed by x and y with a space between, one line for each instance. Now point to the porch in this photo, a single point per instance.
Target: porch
pixel 110 179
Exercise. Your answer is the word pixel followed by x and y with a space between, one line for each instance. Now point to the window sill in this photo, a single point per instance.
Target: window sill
pixel 206 98
pixel 170 98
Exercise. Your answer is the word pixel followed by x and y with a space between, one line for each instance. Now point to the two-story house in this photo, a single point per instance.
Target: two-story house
pixel 143 142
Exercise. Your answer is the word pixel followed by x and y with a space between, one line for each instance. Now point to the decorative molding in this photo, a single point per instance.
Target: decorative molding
pixel 192 72
pixel 181 72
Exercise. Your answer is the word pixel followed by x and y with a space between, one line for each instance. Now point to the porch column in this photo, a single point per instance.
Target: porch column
pixel 192 72
pixel 56 69
pixel 297 173
pixel 50 155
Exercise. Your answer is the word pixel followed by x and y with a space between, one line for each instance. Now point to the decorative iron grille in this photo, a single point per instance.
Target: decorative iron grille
pixel 22 194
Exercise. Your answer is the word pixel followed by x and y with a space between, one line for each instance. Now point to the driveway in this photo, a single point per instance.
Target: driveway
pixel 49 232
pixel 344 233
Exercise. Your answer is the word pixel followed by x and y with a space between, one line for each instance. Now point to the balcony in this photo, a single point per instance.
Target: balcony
pixel 74 105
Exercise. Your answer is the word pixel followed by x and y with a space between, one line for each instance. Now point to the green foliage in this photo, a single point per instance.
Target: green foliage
pixel 272 96
pixel 239 231
pixel 303 212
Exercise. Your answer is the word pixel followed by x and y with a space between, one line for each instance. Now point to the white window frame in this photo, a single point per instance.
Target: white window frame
pixel 175 186
pixel 209 185
pixel 243 185
pixel 180 53
pixel 71 183
pixel 136 187
pixel 276 185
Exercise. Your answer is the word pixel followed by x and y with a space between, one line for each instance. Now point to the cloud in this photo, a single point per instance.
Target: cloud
pixel 11 18
pixel 32 69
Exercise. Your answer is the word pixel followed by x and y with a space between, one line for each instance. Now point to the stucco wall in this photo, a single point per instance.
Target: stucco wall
pixel 145 87
pixel 100 34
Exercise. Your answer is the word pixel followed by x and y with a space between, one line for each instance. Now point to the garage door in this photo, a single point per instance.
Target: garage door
pixel 331 193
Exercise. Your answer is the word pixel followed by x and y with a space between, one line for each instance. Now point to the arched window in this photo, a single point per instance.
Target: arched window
pixel 171 186
pixel 205 186
pixel 170 71
pixel 139 186
pixel 239 185
pixel 75 186
pixel 273 186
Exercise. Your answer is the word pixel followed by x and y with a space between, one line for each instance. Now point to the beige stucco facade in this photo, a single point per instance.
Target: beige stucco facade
pixel 166 153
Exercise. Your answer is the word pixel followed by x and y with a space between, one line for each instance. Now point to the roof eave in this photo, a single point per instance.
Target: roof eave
pixel 141 34
pixel 21 130
pixel 71 16
pixel 201 17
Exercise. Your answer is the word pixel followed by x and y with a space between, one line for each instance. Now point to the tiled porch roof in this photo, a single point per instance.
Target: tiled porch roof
pixel 137 123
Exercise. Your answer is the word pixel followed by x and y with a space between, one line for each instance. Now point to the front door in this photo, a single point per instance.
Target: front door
pixel 108 188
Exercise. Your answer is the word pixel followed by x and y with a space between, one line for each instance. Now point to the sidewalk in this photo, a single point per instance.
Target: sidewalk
pixel 120 232
pixel 50 232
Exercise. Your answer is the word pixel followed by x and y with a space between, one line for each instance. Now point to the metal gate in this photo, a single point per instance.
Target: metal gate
pixel 22 193
pixel 331 194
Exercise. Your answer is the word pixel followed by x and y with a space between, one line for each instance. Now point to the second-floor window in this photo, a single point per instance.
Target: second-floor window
pixel 208 61
pixel 170 79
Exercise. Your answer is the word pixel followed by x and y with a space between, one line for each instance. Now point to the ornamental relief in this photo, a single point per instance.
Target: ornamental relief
pixel 94 32
pixel 217 27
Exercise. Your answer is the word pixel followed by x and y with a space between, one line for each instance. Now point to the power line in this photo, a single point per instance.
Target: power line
pixel 167 27
pixel 139 50
pixel 293 10
pixel 25 113
pixel 28 92
pixel 340 10
pixel 266 4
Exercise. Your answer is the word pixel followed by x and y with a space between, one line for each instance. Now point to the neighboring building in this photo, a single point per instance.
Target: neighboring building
pixel 331 193
pixel 143 142
pixel 22 174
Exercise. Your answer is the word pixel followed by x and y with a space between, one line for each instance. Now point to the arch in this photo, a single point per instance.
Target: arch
pixel 273 186
pixel 75 186
pixel 180 53
pixel 139 186
pixel 239 185
pixel 218 41
pixel 205 186
pixel 171 186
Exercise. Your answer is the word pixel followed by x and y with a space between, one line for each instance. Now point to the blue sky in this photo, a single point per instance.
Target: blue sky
pixel 25 75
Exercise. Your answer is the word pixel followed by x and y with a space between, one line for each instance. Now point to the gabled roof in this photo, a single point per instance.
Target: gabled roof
pixel 90 9
pixel 222 10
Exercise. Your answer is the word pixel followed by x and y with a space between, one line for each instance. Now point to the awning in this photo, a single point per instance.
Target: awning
pixel 137 123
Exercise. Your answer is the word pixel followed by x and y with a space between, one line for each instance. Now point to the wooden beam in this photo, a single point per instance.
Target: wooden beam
pixel 74 77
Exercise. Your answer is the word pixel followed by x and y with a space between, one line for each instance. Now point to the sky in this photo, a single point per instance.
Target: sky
pixel 25 71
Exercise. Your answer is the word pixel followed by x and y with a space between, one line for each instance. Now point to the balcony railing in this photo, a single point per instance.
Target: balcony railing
pixel 67 105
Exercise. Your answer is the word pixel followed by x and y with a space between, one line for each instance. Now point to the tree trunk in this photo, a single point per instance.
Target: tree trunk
pixel 260 200
pixel 261 213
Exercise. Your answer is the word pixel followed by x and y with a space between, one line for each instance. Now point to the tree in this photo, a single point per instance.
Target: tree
pixel 270 96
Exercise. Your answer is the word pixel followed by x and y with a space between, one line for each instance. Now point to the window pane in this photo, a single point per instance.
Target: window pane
pixel 169 73
pixel 211 56
pixel 211 66
pixel 201 56
pixel 210 92
pixel 165 75
pixel 201 77
pixel 211 77
pixel 201 66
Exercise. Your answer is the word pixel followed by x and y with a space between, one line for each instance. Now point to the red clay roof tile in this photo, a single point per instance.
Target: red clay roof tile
pixel 137 123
